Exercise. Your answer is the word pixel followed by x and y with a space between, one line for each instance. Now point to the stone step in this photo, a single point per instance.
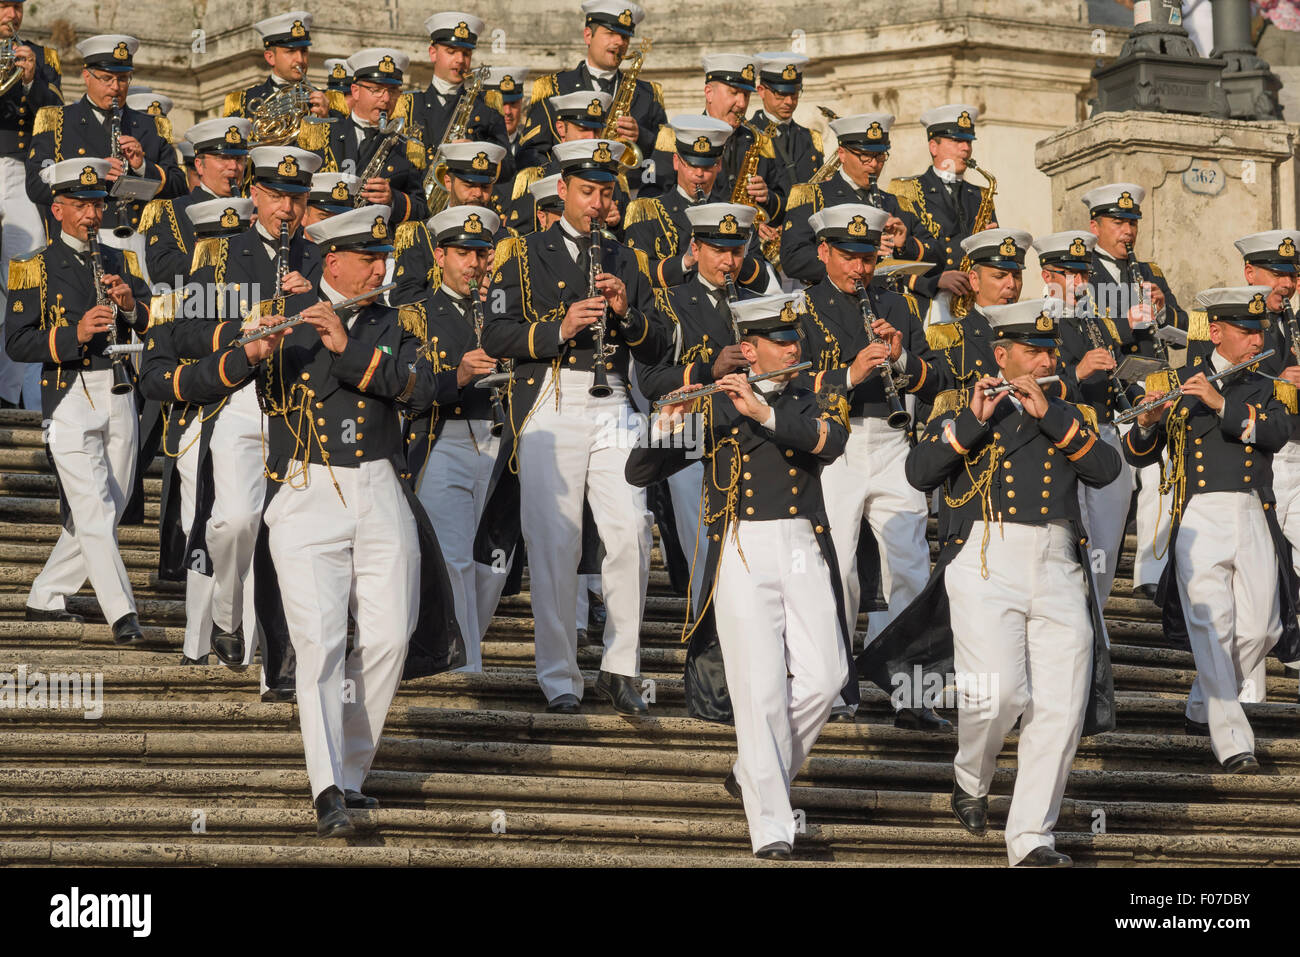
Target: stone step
pixel 14 508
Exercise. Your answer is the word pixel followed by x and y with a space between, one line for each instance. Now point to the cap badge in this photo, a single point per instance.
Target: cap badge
pixel 380 229
pixel 857 226
pixel 875 131
pixel 964 121
pixel 1125 200
pixel 789 73
pixel 288 167
pixel 339 72
pixel 702 144
pixel 88 176
pixel 1078 247
pixel 1008 247
pixel 473 224
pixel 386 65
pixel 229 218
pixel 1256 306
pixel 788 315
pixel 480 161
pixel 747 74
pixel 1044 323
pixel 594 108
pixel 297 31
pixel 234 136
pixel 625 18
pixel 120 52
pixel 507 84
pixel 462 31
pixel 602 153
pixel 340 191
pixel 1287 249
pixel 728 226
pixel 155 109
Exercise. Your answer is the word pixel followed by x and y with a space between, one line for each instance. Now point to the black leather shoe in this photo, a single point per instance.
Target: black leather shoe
pixel 921 719
pixel 126 630
pixel 360 802
pixel 54 614
pixel 1244 763
pixel 776 851
pixel 842 712
pixel 595 613
pixel 621 692
pixel 187 660
pixel 733 786
pixel 1145 591
pixel 272 695
pixel 1195 727
pixel 564 704
pixel 1044 856
pixel 229 647
pixel 972 812
pixel 331 816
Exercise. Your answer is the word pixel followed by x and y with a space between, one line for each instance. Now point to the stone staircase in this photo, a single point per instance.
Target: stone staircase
pixel 188 766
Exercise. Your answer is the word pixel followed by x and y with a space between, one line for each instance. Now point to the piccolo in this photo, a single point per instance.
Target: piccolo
pixel 674 397
pixel 124 349
pixel 263 331
pixel 1146 407
pixel 997 390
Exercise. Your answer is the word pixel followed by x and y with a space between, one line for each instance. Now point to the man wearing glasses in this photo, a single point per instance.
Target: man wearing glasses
pixel 863 152
pixel 83 130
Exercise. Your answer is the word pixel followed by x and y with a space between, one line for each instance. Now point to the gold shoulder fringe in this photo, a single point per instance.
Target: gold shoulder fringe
pixel 313 136
pixel 659 92
pixel 508 247
pixel 164 126
pixel 523 179
pixel 415 154
pixel 150 215
pixel 1089 415
pixel 132 262
pixel 1198 325
pixel 337 101
pixel 163 308
pixel 1285 393
pixel 25 272
pixel 801 195
pixel 943 335
pixel 493 99
pixel 946 403
pixel 818 142
pixel 638 210
pixel 666 141
pixel 209 251
pixel 52 58
pixel 414 320
pixel 1165 380
pixel 404 238
pixel 642 262
pixel 47 118
pixel 544 86
pixel 234 104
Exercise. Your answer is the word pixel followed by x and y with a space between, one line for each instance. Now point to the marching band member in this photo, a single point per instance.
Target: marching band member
pixel 343 531
pixel 778 618
pixel 1012 590
pixel 799 150
pixel 868 483
pixel 1227 589
pixel 55 317
pixel 505 94
pixel 331 193
pixel 451 451
pixel 607 32
pixel 863 150
pixel 1089 345
pixel 285 41
pixel 575 442
pixel 339 80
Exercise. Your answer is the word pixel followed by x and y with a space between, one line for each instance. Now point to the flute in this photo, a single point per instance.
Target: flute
pixel 673 398
pixel 997 390
pixel 263 331
pixel 1146 407
pixel 124 349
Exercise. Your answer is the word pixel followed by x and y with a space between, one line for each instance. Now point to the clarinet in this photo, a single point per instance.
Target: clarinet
pixel 282 260
pixel 898 416
pixel 600 383
pixel 873 193
pixel 121 207
pixel 1092 328
pixel 476 317
pixel 121 365
pixel 1292 329
pixel 1162 350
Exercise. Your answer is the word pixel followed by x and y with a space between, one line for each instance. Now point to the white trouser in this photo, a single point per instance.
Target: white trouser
pixel 685 487
pixel 1022 643
pixel 1152 523
pixel 239 488
pixel 453 490
pixel 1286 489
pixel 1227 581
pixel 784 658
pixel 198 588
pixel 21 232
pixel 92 436
pixel 580 450
pixel 1105 515
pixel 330 558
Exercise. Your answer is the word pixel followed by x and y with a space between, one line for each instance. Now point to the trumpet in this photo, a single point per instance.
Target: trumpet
pixel 1145 407
pixel 261 332
pixel 673 398
pixel 997 390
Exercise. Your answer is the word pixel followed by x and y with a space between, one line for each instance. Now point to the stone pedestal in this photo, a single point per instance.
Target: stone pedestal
pixel 1208 181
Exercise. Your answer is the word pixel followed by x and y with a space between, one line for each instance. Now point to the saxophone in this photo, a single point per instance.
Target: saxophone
pixel 748 167
pixel 622 106
pixel 391 130
pixel 457 129
pixel 983 216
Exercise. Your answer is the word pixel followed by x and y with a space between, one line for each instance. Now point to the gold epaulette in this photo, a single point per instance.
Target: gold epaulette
pixel 943 335
pixel 1285 393
pixel 164 126
pixel 642 262
pixel 658 92
pixel 413 320
pixel 543 87
pixel 150 215
pixel 835 404
pixel 52 58
pixel 493 99
pixel 523 179
pixel 765 147
pixel 1164 380
pixel 234 104
pixel 415 154
pixel 1089 415
pixel 337 101
pixel 313 136
pixel 25 271
pixel 946 403
pixel 1109 323
pixel 1198 325
pixel 621 179
pixel 912 304
pixel 164 308
pixel 132 262
pixel 1156 270
pixel 47 118
pixel 666 140
pixel 404 238
pixel 817 141
pixel 638 210
pixel 508 247
pixel 403 107
pixel 907 191
pixel 210 251
pixel 802 194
